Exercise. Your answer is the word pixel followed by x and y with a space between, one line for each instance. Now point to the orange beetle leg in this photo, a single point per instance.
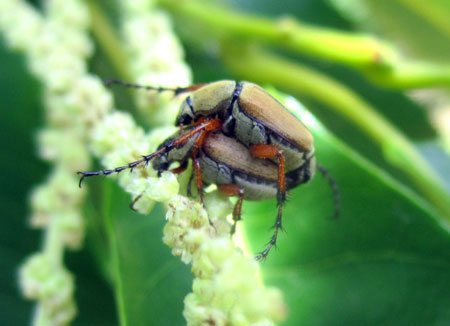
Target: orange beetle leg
pixel 232 190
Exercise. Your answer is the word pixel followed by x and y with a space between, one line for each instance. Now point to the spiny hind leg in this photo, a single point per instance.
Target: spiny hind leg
pixel 334 187
pixel 232 190
pixel 267 151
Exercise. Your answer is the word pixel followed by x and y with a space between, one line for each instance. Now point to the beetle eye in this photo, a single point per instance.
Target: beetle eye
pixel 184 119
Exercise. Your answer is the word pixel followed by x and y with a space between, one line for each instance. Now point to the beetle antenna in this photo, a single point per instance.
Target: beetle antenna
pixel 334 186
pixel 130 166
pixel 207 126
pixel 176 90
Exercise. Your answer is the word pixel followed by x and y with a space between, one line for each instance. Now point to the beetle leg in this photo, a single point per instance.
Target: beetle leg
pixel 199 182
pixel 135 200
pixel 273 240
pixel 181 169
pixel 198 177
pixel 271 151
pixel 334 187
pixel 196 164
pixel 188 187
pixel 203 127
pixel 232 190
pixel 183 166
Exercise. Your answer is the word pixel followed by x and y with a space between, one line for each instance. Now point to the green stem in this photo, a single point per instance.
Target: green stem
pixel 348 48
pixel 114 254
pixel 53 242
pixel 106 37
pixel 256 65
pixel 54 251
pixel 372 56
pixel 411 75
pixel 270 69
pixel 431 11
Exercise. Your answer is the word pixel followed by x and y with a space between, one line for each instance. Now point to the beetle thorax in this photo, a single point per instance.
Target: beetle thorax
pixel 209 101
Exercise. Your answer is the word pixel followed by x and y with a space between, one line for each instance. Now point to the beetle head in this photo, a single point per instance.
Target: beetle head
pixel 186 115
pixel 179 153
pixel 161 163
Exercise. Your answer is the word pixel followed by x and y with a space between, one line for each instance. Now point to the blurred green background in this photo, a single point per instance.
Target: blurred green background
pixel 386 261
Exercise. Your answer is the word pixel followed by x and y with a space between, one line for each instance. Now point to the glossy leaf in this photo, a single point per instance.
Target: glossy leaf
pixel 149 283
pixel 371 265
pixel 386 260
pixel 375 264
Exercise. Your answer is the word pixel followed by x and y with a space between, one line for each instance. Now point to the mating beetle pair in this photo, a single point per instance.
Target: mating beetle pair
pixel 240 138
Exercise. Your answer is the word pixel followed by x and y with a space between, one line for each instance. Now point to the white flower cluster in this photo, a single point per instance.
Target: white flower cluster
pixel 57 45
pixel 118 141
pixel 53 286
pixel 227 289
pixel 57 202
pixel 20 24
pixel 157 57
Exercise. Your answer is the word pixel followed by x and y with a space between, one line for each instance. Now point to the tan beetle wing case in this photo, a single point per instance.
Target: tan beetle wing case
pixel 213 97
pixel 233 154
pixel 260 105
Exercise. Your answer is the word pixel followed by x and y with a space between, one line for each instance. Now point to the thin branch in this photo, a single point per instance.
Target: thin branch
pixel 257 65
pixel 381 62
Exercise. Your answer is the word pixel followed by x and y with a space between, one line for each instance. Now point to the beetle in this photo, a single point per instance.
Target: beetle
pixel 247 113
pixel 227 163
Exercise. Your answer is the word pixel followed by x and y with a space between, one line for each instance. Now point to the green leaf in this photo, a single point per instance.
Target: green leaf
pixel 385 260
pixel 374 264
pixel 149 283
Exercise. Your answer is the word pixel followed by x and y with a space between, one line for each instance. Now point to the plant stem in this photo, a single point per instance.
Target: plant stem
pixel 53 242
pixel 411 75
pixel 114 255
pixel 431 11
pixel 108 41
pixel 262 67
pixel 377 59
pixel 298 79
